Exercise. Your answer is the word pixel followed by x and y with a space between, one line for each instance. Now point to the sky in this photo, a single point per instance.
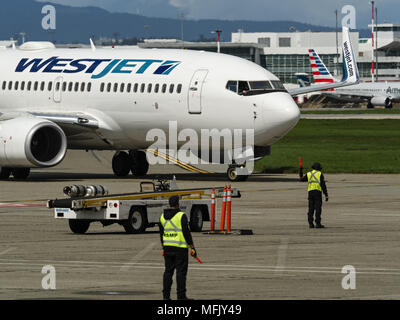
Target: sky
pixel 317 12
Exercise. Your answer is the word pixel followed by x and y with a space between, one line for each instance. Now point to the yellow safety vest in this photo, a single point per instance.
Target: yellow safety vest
pixel 173 235
pixel 314 180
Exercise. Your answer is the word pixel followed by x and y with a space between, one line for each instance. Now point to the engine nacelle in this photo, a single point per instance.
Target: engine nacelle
pixel 380 101
pixel 31 142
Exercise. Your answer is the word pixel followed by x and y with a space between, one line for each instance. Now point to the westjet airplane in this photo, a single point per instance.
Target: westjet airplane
pixel 376 93
pixel 53 99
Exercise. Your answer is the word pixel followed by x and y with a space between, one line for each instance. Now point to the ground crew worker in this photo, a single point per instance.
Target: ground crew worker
pixel 316 185
pixel 175 240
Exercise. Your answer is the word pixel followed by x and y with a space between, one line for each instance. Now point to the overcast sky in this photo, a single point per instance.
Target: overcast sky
pixel 318 12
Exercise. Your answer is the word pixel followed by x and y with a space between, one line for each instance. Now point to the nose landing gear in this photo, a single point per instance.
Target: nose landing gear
pixel 237 173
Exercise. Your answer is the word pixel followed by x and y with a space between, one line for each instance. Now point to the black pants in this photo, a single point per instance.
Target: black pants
pixel 314 204
pixel 175 258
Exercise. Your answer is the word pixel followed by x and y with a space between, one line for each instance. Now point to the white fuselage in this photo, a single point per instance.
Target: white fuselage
pixel 59 82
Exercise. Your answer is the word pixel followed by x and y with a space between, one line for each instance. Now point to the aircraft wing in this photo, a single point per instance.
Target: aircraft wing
pixel 350 70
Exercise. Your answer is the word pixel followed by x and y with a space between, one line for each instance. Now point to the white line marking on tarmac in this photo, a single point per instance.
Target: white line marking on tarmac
pixel 204 267
pixel 139 256
pixel 7 251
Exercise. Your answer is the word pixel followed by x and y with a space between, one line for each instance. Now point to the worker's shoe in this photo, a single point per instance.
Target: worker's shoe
pixel 311 226
pixel 320 226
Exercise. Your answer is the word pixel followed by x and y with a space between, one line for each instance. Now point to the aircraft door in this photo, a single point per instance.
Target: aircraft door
pixel 195 91
pixel 57 89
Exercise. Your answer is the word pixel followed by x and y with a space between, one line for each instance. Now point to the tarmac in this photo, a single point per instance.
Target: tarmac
pixel 284 259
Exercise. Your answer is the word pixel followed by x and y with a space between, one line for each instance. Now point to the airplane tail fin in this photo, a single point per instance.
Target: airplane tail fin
pixel 320 72
pixel 302 79
pixel 350 70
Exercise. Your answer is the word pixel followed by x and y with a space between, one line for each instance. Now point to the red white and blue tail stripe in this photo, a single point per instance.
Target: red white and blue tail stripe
pixel 319 71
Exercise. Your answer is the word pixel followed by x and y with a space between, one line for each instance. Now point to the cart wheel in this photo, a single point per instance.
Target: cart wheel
pixel 196 220
pixel 78 226
pixel 137 221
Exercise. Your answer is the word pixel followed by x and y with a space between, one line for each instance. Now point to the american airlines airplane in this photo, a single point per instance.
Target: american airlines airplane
pixel 53 99
pixel 376 93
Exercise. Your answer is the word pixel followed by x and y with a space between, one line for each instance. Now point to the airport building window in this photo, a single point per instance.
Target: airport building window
pixel 149 86
pixel 156 88
pixel 179 88
pixel 164 88
pixel 171 88
pixel 284 42
pixel 266 42
pixel 142 87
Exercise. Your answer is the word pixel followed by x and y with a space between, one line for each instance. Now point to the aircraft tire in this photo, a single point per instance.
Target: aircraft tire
pixel 140 165
pixel 121 164
pixel 21 173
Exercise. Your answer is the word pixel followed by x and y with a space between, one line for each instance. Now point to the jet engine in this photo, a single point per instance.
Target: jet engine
pixel 381 101
pixel 31 142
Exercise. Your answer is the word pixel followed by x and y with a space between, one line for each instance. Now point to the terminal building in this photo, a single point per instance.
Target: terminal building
pixel 286 53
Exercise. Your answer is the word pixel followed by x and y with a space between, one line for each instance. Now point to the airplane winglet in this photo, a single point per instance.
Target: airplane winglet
pixel 92 45
pixel 350 70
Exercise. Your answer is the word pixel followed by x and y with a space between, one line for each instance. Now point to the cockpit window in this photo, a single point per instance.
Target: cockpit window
pixel 232 85
pixel 278 85
pixel 260 85
pixel 250 88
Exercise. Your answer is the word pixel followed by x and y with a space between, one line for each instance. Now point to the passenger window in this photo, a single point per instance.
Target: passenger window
pixel 23 85
pixel 122 89
pixel 179 88
pixel 109 87
pixel 156 88
pixel 149 86
pixel 10 84
pixel 4 85
pixel 70 86
pixel 164 88
pixel 35 86
pixel 82 87
pixel 171 88
pixel 57 86
pixel 129 87
pixel 50 86
pixel 42 85
pixel 64 88
pixel 89 87
pixel 232 86
pixel 115 87
pixel 29 86
pixel 76 87
pixel 142 87
pixel 16 85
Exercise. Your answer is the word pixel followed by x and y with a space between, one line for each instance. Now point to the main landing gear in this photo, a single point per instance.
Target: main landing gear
pixel 134 161
pixel 237 173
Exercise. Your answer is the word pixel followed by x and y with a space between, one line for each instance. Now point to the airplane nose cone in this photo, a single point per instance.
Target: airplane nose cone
pixel 280 115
